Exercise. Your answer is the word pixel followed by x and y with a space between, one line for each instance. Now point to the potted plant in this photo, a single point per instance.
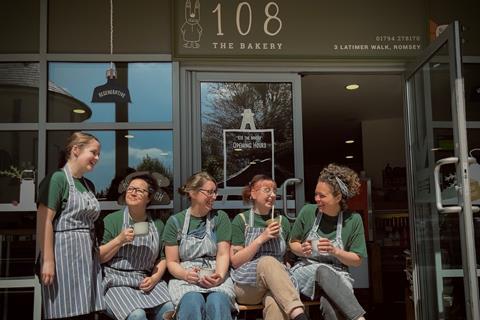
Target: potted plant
pixel 10 181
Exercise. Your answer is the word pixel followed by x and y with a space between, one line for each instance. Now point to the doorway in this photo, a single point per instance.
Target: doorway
pixel 363 129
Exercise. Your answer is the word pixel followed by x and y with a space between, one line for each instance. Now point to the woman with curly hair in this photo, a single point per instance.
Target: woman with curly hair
pixel 329 239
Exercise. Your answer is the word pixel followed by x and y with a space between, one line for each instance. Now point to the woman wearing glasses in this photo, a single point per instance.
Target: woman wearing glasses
pixel 329 239
pixel 132 253
pixel 257 252
pixel 197 244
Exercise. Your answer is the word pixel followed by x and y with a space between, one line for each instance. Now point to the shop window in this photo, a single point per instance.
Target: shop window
pixel 18 167
pixel 122 151
pixel 149 86
pixel 19 25
pixel 19 92
pixel 247 129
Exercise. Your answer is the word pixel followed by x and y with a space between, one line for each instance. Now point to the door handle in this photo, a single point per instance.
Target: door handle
pixel 284 194
pixel 438 191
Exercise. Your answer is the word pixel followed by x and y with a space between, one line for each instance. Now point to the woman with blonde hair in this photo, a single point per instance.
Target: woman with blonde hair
pixel 197 245
pixel 69 263
pixel 328 239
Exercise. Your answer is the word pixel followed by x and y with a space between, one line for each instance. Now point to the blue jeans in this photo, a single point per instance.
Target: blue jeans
pixel 211 306
pixel 141 314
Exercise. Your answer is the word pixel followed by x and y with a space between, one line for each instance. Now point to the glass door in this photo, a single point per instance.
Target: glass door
pixel 247 124
pixel 444 179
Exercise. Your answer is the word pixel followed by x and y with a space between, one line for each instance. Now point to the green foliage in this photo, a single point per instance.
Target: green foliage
pixel 154 165
pixel 12 172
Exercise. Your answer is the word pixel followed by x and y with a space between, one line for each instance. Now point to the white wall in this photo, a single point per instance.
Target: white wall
pixel 383 142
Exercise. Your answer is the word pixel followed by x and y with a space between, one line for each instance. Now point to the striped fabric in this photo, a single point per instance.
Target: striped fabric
pixel 127 269
pixel 198 248
pixel 77 286
pixel 247 272
pixel 304 271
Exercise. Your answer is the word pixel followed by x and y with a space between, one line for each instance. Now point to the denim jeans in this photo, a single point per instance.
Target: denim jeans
pixel 336 295
pixel 210 306
pixel 140 314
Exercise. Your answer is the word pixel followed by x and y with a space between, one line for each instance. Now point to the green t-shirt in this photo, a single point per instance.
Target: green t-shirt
pixel 53 190
pixel 238 226
pixel 113 225
pixel 353 236
pixel 222 229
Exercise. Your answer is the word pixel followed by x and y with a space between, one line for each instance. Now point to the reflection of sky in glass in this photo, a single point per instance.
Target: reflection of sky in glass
pixel 150 86
pixel 104 170
pixel 155 144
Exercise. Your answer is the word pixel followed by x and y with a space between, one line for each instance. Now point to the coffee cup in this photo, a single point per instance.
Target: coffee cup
pixel 140 228
pixel 203 272
pixel 270 221
pixel 314 244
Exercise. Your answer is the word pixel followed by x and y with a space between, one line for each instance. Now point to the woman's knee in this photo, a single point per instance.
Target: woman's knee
pixel 323 273
pixel 192 299
pixel 137 314
pixel 266 263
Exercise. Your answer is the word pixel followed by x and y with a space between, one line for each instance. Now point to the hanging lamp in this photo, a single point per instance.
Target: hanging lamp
pixel 112 91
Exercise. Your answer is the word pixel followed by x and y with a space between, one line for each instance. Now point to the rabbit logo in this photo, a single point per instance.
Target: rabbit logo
pixel 191 29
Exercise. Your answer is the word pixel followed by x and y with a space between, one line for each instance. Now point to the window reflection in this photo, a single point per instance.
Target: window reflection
pixel 122 152
pixel 18 166
pixel 149 85
pixel 246 118
pixel 19 92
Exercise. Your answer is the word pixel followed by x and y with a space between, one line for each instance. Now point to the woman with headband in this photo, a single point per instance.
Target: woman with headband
pixel 329 239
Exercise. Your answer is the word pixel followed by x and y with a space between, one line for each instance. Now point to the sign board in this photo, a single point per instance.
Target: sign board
pixel 299 29
pixel 245 149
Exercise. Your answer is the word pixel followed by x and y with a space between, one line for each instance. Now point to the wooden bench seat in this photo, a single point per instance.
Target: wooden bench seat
pixel 249 307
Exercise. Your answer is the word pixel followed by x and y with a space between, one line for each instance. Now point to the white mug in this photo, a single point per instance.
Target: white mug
pixel 140 228
pixel 205 272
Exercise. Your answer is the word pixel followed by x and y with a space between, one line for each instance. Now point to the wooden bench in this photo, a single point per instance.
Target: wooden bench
pixel 244 309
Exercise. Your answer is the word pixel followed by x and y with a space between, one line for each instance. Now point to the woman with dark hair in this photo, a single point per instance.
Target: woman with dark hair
pixel 69 265
pixel 257 253
pixel 132 253
pixel 329 239
pixel 197 244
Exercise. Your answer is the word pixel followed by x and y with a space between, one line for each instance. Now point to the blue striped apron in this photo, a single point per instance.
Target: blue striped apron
pixel 304 271
pixel 127 269
pixel 198 249
pixel 77 286
pixel 247 272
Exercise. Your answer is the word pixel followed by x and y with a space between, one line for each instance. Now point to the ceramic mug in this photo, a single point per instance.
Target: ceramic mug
pixel 203 272
pixel 140 228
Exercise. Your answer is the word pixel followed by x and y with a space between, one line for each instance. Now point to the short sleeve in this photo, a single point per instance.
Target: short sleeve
pixel 112 226
pixel 302 224
pixel 223 227
pixel 53 190
pixel 238 230
pixel 170 232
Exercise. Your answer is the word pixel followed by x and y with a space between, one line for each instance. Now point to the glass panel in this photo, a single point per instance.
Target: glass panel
pixel 121 152
pixel 454 298
pixel 247 118
pixel 18 167
pixel 436 241
pixel 17 244
pixel 18 303
pixel 19 25
pixel 19 92
pixel 149 86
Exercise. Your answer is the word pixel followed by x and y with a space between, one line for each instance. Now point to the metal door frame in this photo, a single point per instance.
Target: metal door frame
pixel 452 37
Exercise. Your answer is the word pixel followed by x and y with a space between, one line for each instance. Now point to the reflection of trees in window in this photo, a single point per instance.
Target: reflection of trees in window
pixel 271 104
pixel 155 165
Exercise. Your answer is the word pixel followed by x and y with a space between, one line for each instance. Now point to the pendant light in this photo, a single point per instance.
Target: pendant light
pixel 112 91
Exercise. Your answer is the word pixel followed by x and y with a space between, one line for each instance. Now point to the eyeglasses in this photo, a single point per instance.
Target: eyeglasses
pixel 208 193
pixel 139 191
pixel 268 191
